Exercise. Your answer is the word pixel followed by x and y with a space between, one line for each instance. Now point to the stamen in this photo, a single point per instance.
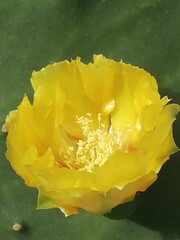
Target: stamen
pixel 94 149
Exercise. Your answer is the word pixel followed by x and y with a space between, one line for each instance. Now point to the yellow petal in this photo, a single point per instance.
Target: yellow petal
pixel 150 113
pixel 134 88
pixel 77 82
pixel 97 202
pixel 125 167
pixel 98 80
pixel 159 143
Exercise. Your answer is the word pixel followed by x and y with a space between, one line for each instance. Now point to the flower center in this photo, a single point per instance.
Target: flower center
pixel 94 149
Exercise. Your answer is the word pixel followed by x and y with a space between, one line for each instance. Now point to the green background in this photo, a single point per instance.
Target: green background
pixel 34 33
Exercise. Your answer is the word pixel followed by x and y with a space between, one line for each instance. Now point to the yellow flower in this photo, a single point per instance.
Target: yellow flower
pixel 94 136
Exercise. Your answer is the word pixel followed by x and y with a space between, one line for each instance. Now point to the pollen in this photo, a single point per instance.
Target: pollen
pixel 95 148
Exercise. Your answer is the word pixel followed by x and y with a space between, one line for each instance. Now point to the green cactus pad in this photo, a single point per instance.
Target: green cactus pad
pixel 36 33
